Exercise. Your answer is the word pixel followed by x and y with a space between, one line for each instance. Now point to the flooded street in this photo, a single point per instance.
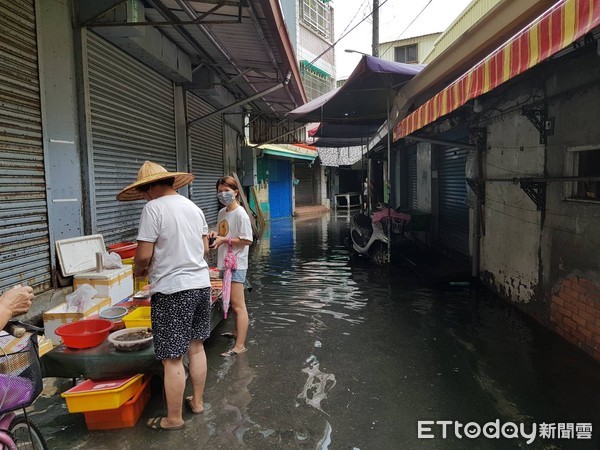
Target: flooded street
pixel 344 355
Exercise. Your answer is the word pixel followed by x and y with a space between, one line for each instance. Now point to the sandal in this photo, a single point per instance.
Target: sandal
pixel 232 352
pixel 188 402
pixel 155 424
pixel 228 334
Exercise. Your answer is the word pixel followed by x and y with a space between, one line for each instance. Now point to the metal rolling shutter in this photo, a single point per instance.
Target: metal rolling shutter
pixel 454 212
pixel 411 179
pixel 132 120
pixel 305 190
pixel 24 234
pixel 206 144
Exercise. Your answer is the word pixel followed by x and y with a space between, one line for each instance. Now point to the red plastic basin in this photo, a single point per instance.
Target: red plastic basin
pixel 123 249
pixel 85 333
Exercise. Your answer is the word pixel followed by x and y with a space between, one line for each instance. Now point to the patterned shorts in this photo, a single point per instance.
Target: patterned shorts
pixel 177 319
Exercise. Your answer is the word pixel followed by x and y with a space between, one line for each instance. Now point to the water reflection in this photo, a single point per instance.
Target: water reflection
pixel 317 385
pixel 311 275
pixel 346 355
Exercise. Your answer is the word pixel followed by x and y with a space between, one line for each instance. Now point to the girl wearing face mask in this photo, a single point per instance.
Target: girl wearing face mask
pixel 233 223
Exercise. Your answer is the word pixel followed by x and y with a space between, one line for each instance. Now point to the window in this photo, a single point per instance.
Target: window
pixel 406 54
pixel 317 15
pixel 316 82
pixel 584 162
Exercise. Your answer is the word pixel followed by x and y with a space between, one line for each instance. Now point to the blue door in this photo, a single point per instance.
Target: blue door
pixel 280 188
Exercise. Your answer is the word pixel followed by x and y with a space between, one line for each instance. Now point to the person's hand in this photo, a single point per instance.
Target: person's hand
pixel 218 241
pixel 140 273
pixel 17 300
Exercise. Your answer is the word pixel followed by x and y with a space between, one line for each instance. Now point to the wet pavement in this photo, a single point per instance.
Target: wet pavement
pixel 344 355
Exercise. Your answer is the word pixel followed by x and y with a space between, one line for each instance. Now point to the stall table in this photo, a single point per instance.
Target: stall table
pixel 103 361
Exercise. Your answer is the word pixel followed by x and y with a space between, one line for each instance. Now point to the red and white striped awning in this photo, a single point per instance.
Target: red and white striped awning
pixel 561 25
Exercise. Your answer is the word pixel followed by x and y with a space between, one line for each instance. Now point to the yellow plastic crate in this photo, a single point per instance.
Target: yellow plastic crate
pixel 100 395
pixel 139 317
pixel 138 282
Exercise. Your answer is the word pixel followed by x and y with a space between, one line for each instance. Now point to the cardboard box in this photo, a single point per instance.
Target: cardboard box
pixel 55 317
pixel 114 283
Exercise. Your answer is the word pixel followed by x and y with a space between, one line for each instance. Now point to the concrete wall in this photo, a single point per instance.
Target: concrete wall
pixel 571 236
pixel 547 262
pixel 510 247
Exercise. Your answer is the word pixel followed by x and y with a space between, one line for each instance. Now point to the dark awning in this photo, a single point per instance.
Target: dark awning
pixel 363 98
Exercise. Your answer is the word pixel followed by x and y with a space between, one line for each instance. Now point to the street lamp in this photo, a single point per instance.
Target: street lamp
pixel 349 50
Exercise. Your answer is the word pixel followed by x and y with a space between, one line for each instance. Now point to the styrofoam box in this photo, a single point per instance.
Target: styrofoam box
pixel 78 255
pixel 114 283
pixel 57 316
pixel 77 258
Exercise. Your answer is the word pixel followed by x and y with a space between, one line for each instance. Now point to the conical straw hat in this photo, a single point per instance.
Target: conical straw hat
pixel 148 173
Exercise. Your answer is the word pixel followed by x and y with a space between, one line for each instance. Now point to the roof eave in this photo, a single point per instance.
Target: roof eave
pixel 275 21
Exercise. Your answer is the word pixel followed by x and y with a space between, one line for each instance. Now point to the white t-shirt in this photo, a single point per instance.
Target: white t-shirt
pixel 237 225
pixel 175 225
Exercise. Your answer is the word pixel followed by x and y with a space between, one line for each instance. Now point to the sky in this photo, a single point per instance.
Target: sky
pixel 395 16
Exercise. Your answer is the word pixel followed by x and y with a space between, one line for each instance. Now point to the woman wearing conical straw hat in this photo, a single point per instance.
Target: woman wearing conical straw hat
pixel 172 242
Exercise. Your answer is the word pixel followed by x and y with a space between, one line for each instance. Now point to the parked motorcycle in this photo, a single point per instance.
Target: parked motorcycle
pixel 369 235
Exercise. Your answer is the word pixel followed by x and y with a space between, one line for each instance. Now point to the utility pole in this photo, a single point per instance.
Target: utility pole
pixel 375 49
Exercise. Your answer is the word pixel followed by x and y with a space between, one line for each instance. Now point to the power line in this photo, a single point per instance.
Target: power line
pixel 346 34
pixel 534 223
pixel 360 8
pixel 408 26
pixel 549 213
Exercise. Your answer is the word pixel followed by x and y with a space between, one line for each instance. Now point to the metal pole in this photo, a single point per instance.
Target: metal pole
pixel 480 143
pixel 243 101
pixel 363 176
pixel 388 181
pixel 375 47
pixel 476 228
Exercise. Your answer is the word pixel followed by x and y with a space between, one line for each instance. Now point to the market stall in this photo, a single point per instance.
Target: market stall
pixel 104 361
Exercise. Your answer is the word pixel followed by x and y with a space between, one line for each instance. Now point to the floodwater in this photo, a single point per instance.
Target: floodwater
pixel 344 355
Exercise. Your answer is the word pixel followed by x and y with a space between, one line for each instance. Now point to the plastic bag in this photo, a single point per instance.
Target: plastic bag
pixel 112 260
pixel 80 300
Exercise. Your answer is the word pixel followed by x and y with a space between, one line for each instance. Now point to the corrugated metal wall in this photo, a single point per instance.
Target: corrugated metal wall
pixel 425 45
pixel 470 15
pixel 305 190
pixel 206 146
pixel 24 234
pixel 132 120
pixel 412 199
pixel 453 210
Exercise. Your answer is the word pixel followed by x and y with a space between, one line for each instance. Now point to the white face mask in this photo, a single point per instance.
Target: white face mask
pixel 226 197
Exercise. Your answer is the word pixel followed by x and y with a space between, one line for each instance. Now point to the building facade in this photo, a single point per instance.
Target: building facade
pixel 310 24
pixel 526 158
pixel 88 96
pixel 412 50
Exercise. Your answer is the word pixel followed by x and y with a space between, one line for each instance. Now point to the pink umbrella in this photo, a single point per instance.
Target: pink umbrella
pixel 230 264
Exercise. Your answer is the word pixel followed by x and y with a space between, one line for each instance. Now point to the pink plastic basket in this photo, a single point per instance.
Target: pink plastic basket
pixel 20 377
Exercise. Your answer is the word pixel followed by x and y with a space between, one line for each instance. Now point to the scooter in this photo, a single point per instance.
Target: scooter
pixel 369 236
